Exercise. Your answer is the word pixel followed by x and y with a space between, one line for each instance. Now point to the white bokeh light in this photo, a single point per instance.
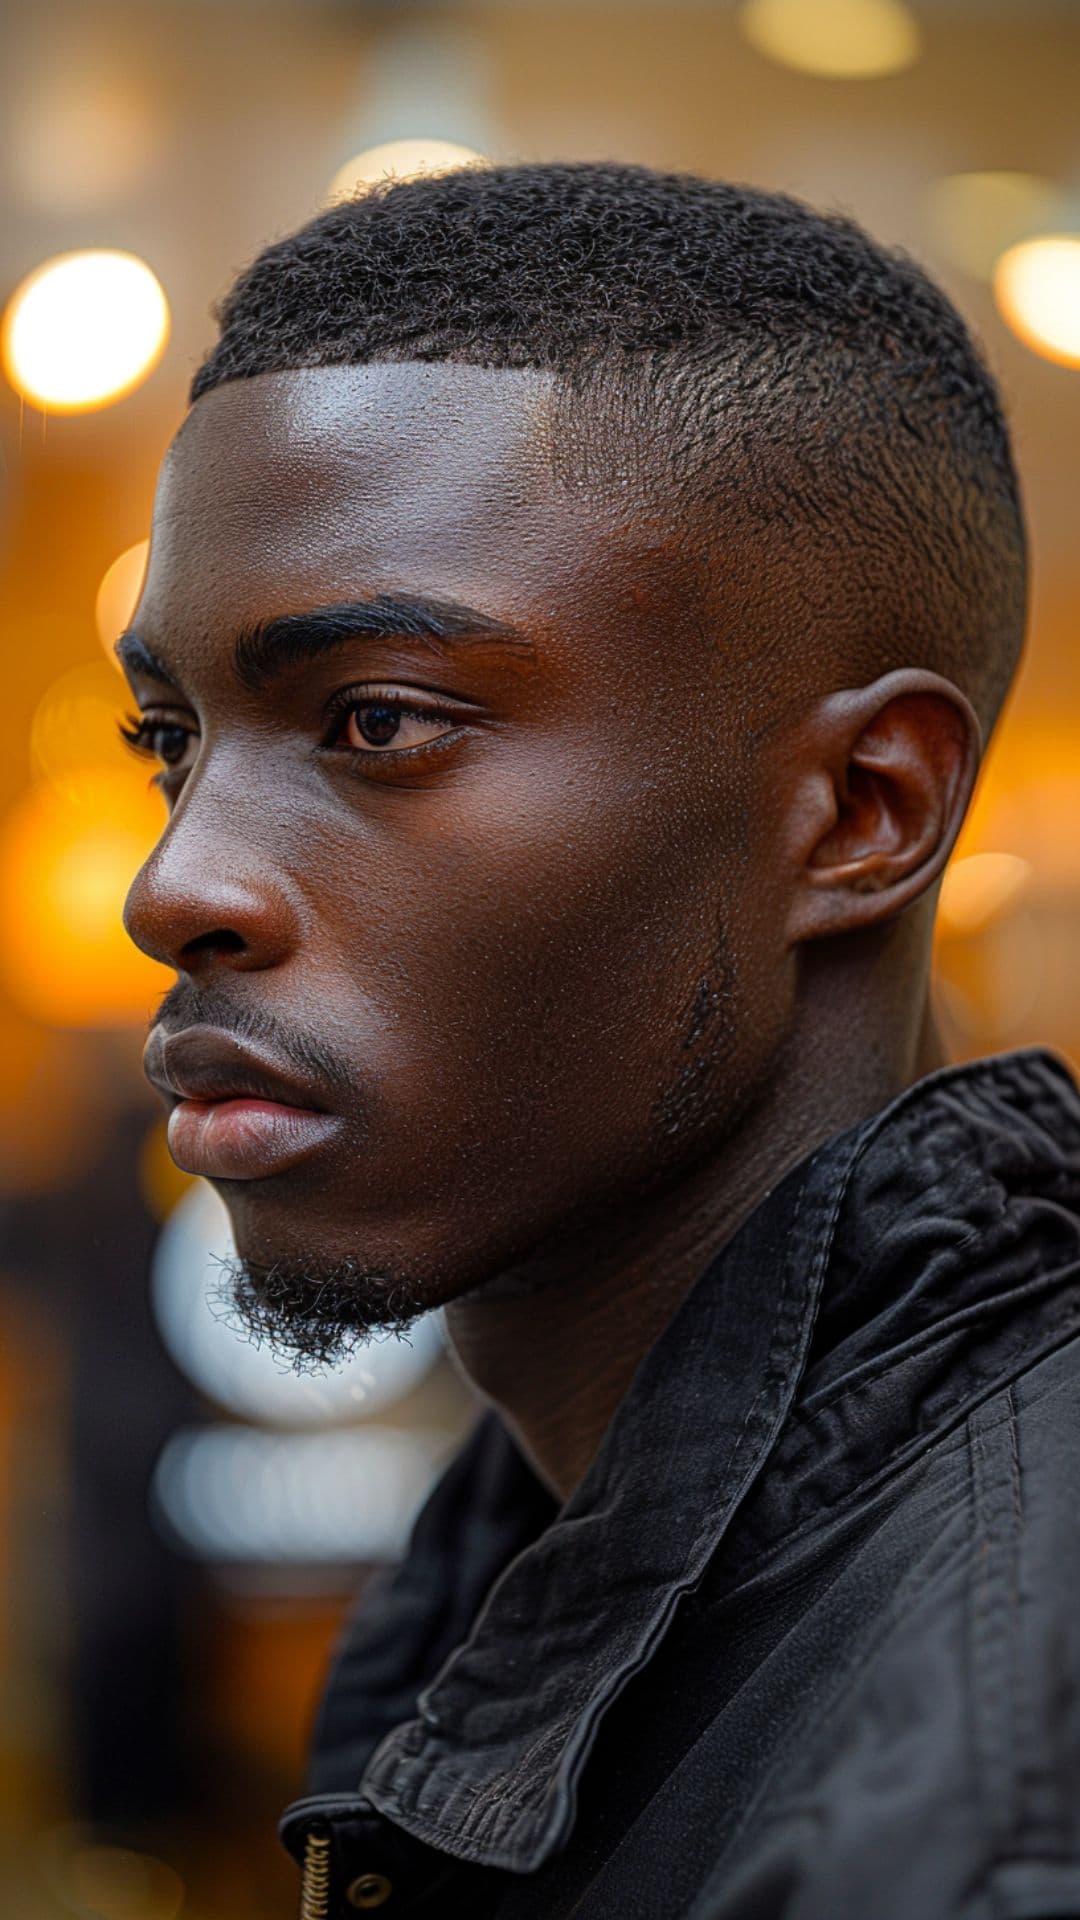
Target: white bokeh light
pixel 400 160
pixel 238 1495
pixel 249 1380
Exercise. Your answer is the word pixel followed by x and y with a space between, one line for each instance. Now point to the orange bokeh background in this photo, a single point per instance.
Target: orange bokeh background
pixel 189 134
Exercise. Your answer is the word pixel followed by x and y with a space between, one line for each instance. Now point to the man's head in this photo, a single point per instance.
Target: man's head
pixel 569 600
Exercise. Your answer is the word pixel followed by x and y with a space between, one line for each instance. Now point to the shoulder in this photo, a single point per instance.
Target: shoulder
pixel 932 1763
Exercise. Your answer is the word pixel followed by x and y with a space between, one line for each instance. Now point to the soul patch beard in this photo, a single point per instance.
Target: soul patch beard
pixel 311 1317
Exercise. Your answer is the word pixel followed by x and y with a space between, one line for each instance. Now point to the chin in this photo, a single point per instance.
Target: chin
pixel 278 1221
pixel 310 1312
pixel 312 1291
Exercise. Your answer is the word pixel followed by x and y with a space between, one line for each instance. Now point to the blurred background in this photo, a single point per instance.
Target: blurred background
pixel 182 1526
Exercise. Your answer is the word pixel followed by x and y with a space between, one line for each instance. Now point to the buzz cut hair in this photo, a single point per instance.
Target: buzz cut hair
pixel 766 368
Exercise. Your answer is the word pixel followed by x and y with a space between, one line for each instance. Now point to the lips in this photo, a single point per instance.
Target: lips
pixel 236 1114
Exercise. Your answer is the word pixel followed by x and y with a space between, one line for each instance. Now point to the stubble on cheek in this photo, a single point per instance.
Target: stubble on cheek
pixel 700 1079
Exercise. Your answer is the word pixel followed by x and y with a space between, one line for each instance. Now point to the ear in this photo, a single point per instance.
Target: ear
pixel 886 776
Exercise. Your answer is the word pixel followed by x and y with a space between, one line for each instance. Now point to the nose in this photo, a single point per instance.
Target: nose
pixel 199 905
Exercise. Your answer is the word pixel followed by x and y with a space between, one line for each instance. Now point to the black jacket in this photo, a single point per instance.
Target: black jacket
pixel 805 1643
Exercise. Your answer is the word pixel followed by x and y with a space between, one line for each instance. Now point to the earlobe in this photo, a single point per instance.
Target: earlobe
pixel 879 809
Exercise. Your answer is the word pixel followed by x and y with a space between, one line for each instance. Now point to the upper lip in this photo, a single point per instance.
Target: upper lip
pixel 205 1063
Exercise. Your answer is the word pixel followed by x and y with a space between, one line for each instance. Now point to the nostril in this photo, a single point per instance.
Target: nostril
pixel 221 940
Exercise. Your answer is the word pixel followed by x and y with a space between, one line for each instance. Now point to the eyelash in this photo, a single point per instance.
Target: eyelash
pixel 349 701
pixel 139 730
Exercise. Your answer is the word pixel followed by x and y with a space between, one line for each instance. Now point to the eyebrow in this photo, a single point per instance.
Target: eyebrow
pixel 136 657
pixel 269 648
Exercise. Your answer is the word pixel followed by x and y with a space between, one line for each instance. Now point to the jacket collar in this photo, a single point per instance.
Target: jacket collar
pixel 485 1764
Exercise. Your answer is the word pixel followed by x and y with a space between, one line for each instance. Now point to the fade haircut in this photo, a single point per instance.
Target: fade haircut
pixel 764 369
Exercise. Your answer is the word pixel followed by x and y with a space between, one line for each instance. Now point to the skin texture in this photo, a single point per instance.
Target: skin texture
pixel 588 973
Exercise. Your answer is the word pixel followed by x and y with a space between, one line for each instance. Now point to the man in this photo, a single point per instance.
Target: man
pixel 578 598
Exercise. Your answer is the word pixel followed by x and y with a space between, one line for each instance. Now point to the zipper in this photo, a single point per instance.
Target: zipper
pixel 315 1881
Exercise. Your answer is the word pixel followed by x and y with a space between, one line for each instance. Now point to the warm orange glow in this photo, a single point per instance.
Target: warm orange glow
pixel 399 160
pixel 980 889
pixel 161 1180
pixel 1028 800
pixel 73 733
pixel 49 1090
pixel 118 594
pixel 120 1882
pixel 64 873
pixel 84 330
pixel 81 132
pixel 1037 290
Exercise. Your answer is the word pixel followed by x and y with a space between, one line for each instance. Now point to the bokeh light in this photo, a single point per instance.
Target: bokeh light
pixel 1037 290
pixel 249 1380
pixel 82 134
pixel 978 889
pixel 89 1876
pixel 399 160
pixel 145 1682
pixel 73 734
pixel 119 1884
pixel 235 1493
pixel 837 39
pixel 976 216
pixel 83 330
pixel 118 594
pixel 64 874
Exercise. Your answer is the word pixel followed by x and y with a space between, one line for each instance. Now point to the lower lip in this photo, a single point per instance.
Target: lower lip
pixel 244 1139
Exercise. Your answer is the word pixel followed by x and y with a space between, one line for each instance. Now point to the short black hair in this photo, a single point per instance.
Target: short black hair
pixel 794 373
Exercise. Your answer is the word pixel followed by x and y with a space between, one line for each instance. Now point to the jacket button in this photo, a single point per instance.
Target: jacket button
pixel 369 1890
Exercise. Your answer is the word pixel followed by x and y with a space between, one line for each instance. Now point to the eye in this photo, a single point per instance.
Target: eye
pixel 160 739
pixel 388 721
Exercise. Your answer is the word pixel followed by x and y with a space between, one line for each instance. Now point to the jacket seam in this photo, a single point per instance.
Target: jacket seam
pixel 491 1797
pixel 913 1453
pixel 994 1611
pixel 910 1590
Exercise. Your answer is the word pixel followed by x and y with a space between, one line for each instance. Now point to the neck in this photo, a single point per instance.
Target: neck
pixel 555 1344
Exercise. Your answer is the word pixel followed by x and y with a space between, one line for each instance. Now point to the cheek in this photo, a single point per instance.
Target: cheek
pixel 541 975
pixel 543 998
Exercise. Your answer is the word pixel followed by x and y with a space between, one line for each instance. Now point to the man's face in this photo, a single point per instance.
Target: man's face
pixel 479 870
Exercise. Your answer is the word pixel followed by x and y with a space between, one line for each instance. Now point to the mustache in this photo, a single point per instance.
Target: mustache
pixel 189 1005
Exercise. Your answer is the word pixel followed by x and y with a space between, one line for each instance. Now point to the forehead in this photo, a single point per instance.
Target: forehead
pixel 281 488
